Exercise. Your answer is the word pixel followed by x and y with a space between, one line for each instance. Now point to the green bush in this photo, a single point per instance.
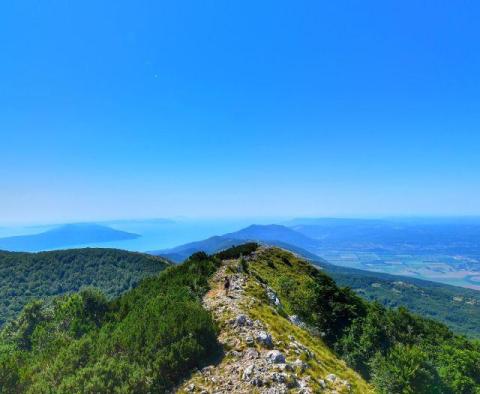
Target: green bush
pixel 146 340
pixel 405 370
pixel 236 252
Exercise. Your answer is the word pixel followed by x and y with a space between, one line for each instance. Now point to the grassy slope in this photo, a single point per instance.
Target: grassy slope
pixel 268 267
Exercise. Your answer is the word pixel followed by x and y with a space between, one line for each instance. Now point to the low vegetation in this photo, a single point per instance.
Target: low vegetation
pixel 398 351
pixel 323 361
pixel 144 341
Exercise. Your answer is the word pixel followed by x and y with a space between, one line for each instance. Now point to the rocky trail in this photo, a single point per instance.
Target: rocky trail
pixel 254 360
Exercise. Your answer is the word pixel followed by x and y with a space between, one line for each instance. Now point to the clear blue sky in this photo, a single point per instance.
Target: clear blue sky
pixel 221 108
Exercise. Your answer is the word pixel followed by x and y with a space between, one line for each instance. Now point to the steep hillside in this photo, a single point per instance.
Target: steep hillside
pixel 28 276
pixel 280 326
pixel 265 351
pixel 457 307
pixel 157 334
pixel 64 236
pixel 145 341
pixel 397 351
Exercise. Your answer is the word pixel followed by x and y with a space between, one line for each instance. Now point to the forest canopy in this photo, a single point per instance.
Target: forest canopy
pixel 25 277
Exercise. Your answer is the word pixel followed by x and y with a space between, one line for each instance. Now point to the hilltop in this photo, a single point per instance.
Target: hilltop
pixel 283 327
pixel 267 351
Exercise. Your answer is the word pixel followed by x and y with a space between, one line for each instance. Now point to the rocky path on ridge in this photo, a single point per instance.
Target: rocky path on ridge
pixel 252 362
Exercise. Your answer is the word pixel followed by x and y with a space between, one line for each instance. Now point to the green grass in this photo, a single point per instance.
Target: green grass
pixel 369 337
pixel 324 361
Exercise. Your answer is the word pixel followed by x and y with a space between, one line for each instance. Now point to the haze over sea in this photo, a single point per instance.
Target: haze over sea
pixel 155 233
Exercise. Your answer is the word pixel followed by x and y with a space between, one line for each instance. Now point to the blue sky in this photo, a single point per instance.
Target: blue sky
pixel 216 108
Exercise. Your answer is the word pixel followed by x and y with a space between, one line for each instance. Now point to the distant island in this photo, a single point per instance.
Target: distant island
pixel 64 236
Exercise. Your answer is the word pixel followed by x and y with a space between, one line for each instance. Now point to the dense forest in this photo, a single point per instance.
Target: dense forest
pixel 457 307
pixel 29 276
pixel 143 341
pixel 153 336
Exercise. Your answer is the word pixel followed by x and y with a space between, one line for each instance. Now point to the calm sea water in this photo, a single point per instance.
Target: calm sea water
pixel 154 235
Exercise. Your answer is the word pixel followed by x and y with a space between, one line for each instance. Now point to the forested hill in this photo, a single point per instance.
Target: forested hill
pixel 28 276
pixel 283 326
pixel 457 307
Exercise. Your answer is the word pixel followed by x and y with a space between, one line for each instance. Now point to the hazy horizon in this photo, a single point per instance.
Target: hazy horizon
pixel 247 219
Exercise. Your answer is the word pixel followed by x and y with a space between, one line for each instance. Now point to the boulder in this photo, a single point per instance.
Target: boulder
pixel 331 378
pixel 284 367
pixel 296 320
pixel 272 297
pixel 300 365
pixel 264 339
pixel 251 354
pixel 279 377
pixel 257 381
pixel 276 357
pixel 248 372
pixel 207 370
pixel 240 320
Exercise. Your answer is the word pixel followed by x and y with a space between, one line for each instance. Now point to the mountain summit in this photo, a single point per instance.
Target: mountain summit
pixel 272 234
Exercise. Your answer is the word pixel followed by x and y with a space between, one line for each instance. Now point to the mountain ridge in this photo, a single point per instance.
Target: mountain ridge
pixel 274 234
pixel 282 325
pixel 457 307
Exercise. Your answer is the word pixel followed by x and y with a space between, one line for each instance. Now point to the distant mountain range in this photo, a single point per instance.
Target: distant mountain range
pixel 273 234
pixel 421 236
pixel 455 306
pixel 64 236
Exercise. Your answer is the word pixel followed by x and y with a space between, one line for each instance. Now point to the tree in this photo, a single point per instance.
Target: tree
pixel 405 370
pixel 460 369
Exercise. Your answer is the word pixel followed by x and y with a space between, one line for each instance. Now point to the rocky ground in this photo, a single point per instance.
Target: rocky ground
pixel 254 361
